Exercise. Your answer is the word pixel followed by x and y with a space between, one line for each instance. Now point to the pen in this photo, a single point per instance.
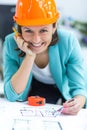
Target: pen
pixel 58 112
pixel 60 125
pixel 14 29
pixel 70 100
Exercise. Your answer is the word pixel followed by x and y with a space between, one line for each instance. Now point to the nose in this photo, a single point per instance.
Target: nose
pixel 36 38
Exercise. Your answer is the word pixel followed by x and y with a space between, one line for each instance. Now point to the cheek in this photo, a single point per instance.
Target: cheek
pixel 25 37
pixel 49 38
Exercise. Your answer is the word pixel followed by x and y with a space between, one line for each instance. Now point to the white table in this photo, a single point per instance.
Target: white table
pixel 21 116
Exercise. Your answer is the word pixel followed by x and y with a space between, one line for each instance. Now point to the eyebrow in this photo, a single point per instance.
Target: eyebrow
pixel 31 29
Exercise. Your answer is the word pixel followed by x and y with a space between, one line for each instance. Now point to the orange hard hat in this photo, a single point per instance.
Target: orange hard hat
pixel 35 12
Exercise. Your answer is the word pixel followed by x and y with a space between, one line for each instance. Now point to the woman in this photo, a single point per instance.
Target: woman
pixel 43 60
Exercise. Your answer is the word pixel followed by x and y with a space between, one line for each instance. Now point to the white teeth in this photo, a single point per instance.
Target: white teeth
pixel 37 45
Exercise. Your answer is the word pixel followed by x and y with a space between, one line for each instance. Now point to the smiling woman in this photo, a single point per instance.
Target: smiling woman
pixel 42 59
pixel 33 37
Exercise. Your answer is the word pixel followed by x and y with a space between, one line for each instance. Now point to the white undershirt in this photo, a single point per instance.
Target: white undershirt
pixel 43 74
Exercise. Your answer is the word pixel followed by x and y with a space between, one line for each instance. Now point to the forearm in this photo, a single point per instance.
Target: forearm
pixel 20 78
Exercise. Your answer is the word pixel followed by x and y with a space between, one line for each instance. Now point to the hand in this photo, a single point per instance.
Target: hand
pixel 72 107
pixel 23 45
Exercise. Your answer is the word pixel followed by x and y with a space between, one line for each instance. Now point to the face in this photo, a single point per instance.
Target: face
pixel 38 37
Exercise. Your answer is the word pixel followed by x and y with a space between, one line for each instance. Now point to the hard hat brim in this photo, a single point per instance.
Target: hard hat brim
pixel 36 22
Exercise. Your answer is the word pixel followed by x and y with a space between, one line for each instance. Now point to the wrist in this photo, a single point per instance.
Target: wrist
pixel 30 54
pixel 82 99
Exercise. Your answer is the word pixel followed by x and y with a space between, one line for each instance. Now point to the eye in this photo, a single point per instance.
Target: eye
pixel 43 31
pixel 28 31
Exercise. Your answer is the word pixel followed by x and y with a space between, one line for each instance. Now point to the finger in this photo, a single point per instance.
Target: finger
pixel 15 37
pixel 65 112
pixel 72 110
pixel 70 103
pixel 24 45
pixel 27 49
pixel 30 52
pixel 19 42
pixel 72 99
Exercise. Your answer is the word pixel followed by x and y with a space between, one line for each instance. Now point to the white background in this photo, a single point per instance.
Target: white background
pixel 75 8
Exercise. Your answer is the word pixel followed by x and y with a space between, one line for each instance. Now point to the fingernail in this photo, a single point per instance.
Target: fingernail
pixel 64 110
pixel 64 105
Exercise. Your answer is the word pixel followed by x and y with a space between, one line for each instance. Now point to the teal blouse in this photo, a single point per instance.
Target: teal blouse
pixel 65 61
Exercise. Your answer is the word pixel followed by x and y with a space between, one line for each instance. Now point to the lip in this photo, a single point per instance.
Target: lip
pixel 36 46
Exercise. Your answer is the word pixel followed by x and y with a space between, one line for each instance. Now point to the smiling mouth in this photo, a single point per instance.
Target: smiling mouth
pixel 37 45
